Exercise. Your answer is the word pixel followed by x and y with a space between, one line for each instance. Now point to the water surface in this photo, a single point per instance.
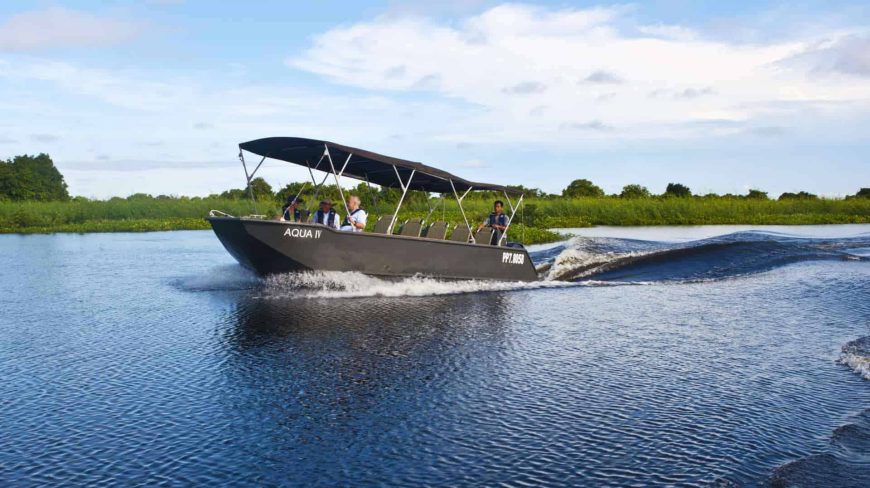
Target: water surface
pixel 670 358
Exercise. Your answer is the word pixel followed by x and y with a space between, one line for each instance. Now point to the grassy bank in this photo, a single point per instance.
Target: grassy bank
pixel 122 215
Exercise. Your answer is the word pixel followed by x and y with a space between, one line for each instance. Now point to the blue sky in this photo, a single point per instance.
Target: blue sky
pixel 154 96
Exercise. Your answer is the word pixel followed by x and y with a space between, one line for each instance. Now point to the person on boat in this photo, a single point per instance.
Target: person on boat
pixel 326 215
pixel 497 220
pixel 356 218
pixel 290 210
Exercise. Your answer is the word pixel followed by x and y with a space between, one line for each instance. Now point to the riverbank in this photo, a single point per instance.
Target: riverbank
pixel 532 223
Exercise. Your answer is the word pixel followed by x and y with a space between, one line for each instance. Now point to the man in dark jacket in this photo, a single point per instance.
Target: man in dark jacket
pixel 326 215
pixel 497 220
pixel 290 210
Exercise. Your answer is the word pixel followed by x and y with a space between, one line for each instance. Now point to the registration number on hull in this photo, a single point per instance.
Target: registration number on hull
pixel 303 233
pixel 513 258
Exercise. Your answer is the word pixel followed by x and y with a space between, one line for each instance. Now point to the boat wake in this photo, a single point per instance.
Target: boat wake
pixel 856 355
pixel 334 284
pixel 732 255
pixel 580 261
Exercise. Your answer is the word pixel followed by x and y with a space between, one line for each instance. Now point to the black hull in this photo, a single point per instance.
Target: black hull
pixel 269 247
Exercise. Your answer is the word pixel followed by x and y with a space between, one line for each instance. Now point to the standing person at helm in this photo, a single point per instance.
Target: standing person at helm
pixel 326 215
pixel 497 220
pixel 356 219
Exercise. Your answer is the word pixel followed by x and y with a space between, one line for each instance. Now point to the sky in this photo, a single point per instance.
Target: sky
pixel 155 96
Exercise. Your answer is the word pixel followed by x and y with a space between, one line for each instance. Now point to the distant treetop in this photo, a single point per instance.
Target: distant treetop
pixel 582 188
pixel 677 190
pixel 801 195
pixel 634 191
pixel 31 178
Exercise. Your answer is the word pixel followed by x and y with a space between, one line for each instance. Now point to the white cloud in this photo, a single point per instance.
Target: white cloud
pixel 672 32
pixel 848 55
pixel 667 74
pixel 59 27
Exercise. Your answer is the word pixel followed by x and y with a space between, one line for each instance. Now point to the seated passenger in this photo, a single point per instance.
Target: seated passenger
pixel 290 211
pixel 325 215
pixel 497 220
pixel 356 220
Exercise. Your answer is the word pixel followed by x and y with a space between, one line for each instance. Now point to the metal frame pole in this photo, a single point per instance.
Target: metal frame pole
pixel 511 218
pixel 248 179
pixel 338 176
pixel 461 210
pixel 405 187
pixel 318 186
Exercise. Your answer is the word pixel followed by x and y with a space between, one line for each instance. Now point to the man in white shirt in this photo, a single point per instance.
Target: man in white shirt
pixel 356 220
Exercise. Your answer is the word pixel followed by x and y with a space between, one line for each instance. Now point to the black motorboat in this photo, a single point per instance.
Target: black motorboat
pixel 272 246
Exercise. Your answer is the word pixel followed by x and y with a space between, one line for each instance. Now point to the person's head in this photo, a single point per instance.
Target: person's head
pixel 498 206
pixel 326 205
pixel 353 202
pixel 294 202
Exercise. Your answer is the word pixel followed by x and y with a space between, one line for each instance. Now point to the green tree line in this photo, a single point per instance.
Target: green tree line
pixel 35 178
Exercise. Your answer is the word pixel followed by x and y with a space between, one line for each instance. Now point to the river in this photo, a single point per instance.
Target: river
pixel 672 355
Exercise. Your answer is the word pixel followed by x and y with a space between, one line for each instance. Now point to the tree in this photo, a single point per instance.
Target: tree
pixel 634 191
pixel 801 195
pixel 529 192
pixel 863 193
pixel 292 189
pixel 6 181
pixel 677 190
pixel 582 188
pixel 262 191
pixel 757 195
pixel 32 178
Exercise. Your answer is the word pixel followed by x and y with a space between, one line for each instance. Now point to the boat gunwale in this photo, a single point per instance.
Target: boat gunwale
pixel 366 234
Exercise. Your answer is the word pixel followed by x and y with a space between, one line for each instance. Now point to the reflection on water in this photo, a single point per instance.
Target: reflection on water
pixel 152 358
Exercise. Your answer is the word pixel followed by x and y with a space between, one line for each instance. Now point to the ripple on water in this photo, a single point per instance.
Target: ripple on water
pixel 119 371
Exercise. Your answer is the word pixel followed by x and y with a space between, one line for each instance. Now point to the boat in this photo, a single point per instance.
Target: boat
pixel 268 246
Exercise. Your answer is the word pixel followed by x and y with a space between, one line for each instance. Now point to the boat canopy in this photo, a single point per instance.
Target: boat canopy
pixel 365 165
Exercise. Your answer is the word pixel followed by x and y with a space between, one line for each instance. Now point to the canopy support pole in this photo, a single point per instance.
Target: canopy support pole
pixel 248 179
pixel 318 186
pixel 511 218
pixel 304 184
pixel 405 187
pixel 338 175
pixel 461 210
pixel 432 208
pixel 255 169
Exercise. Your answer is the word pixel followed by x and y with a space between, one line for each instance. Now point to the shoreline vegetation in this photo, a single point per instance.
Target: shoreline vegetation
pixel 531 224
pixel 34 199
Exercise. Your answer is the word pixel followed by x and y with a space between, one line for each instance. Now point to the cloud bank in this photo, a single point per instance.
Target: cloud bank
pixel 58 27
pixel 511 60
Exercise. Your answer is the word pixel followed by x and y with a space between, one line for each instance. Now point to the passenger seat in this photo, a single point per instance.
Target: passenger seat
pixel 382 226
pixel 461 233
pixel 438 230
pixel 411 228
pixel 484 236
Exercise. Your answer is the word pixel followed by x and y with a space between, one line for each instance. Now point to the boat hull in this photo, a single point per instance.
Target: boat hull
pixel 269 247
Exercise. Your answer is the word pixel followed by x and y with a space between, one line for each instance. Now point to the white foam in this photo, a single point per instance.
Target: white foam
pixel 576 261
pixel 858 362
pixel 334 284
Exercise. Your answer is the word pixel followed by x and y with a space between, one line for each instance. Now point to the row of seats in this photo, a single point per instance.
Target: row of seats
pixel 436 230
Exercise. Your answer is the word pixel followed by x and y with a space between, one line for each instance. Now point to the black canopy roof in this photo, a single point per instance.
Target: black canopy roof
pixel 363 165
